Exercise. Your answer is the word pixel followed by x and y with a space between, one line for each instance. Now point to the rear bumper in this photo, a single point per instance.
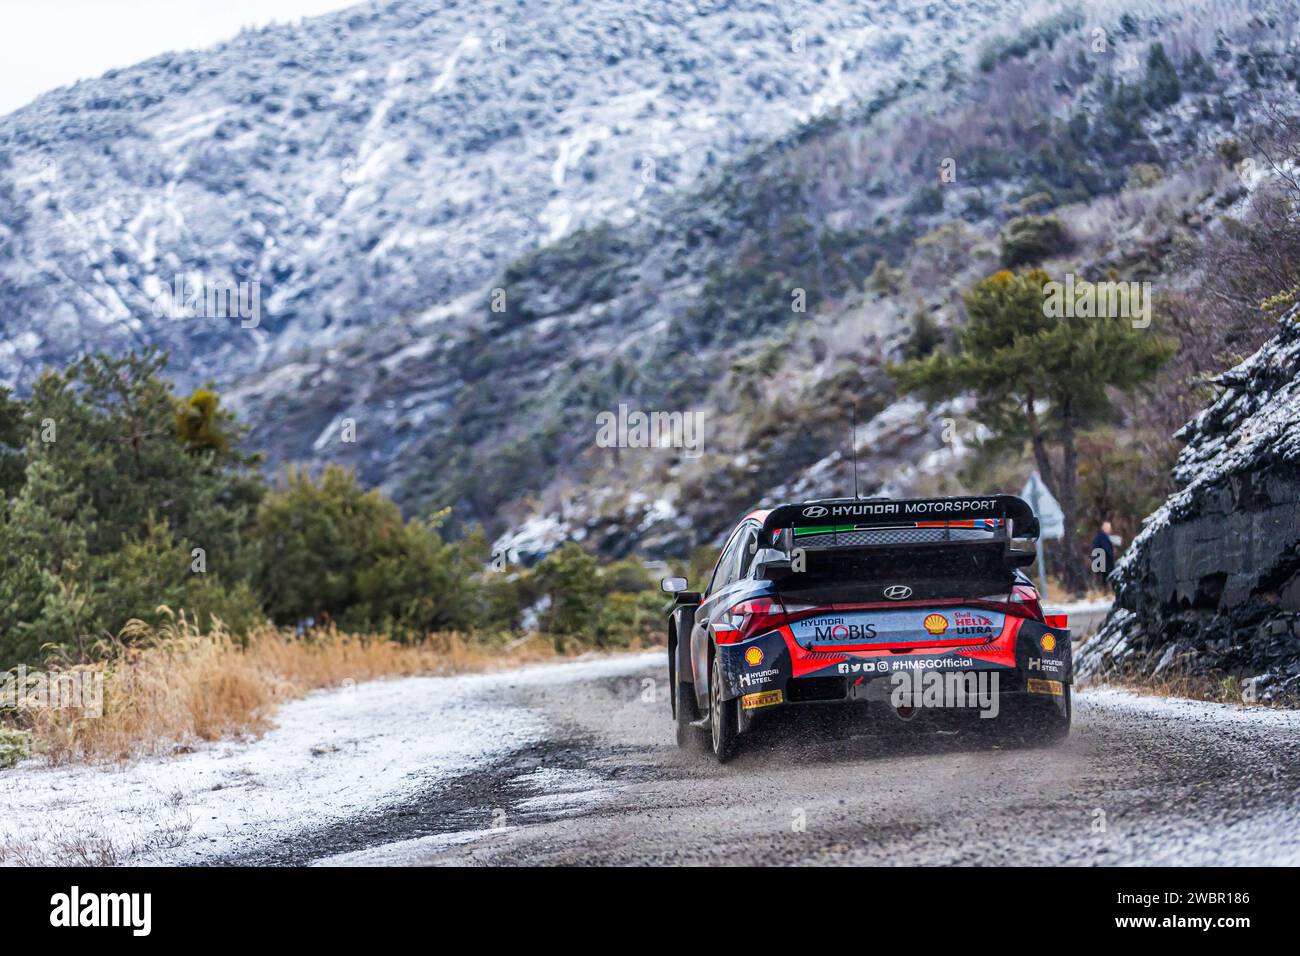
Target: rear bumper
pixel 1030 659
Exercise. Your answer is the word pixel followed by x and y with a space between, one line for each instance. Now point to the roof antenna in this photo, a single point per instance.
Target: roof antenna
pixel 853 446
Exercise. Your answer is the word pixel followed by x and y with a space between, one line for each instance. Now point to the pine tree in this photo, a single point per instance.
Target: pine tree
pixel 12 437
pixel 1039 378
pixel 103 522
pixel 1162 86
pixel 927 335
pixel 46 585
pixel 114 437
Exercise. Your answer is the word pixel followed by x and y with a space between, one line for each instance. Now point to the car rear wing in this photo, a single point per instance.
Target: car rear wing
pixel 1009 522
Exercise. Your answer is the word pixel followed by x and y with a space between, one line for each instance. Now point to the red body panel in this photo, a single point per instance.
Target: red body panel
pixel 1001 650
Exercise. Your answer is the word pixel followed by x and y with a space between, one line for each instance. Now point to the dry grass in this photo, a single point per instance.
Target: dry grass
pixel 1177 685
pixel 1059 594
pixel 1224 690
pixel 166 687
pixel 70 845
pixel 64 848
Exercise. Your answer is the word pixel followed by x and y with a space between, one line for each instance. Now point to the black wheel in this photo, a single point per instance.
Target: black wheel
pixel 723 722
pixel 685 711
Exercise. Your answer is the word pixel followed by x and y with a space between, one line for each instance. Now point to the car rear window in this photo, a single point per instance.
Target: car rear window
pixel 962 570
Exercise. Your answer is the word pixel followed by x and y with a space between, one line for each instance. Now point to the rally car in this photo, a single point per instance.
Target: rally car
pixel 869 599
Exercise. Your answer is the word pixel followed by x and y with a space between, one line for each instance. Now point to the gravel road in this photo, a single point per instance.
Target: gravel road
pixel 1141 780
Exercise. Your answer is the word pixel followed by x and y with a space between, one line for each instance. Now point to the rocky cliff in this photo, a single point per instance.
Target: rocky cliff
pixel 1210 590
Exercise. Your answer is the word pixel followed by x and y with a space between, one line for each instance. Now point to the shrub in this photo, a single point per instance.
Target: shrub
pixel 612 606
pixel 15 745
pixel 154 568
pixel 926 201
pixel 569 577
pixel 1031 239
pixel 333 551
pixel 1044 33
pixel 626 618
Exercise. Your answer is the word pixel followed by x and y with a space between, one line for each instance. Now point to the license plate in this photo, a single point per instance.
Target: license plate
pixel 766 699
pixel 1053 687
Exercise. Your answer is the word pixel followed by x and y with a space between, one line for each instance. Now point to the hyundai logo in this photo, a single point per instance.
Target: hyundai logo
pixel 814 511
pixel 898 592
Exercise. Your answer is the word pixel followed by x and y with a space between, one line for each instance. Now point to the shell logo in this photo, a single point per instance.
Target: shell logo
pixel 935 623
pixel 1048 643
pixel 754 656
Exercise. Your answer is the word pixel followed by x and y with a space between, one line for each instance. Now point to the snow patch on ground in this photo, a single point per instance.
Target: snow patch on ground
pixel 1191 711
pixel 333 755
pixel 563 791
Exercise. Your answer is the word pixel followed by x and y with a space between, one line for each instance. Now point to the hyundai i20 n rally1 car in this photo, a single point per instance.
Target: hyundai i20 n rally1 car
pixel 907 602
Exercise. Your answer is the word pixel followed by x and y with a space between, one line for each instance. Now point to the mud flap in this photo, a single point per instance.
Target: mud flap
pixel 1044 667
pixel 756 670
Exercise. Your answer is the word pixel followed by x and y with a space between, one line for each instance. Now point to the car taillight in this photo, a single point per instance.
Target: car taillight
pixel 1028 597
pixel 1021 602
pixel 749 619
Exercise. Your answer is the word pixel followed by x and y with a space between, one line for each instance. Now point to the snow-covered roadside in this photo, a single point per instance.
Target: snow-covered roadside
pixel 332 755
pixel 1238 834
pixel 1190 711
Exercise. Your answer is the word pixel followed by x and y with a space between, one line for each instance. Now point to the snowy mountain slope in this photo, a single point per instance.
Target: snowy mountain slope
pixel 689 307
pixel 379 161
pixel 389 172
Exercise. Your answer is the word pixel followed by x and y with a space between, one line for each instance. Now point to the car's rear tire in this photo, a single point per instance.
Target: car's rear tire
pixel 724 723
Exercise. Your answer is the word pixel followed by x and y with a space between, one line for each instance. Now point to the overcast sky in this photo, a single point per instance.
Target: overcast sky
pixel 49 43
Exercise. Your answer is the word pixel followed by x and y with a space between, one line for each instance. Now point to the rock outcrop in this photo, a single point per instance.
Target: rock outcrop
pixel 1210 589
